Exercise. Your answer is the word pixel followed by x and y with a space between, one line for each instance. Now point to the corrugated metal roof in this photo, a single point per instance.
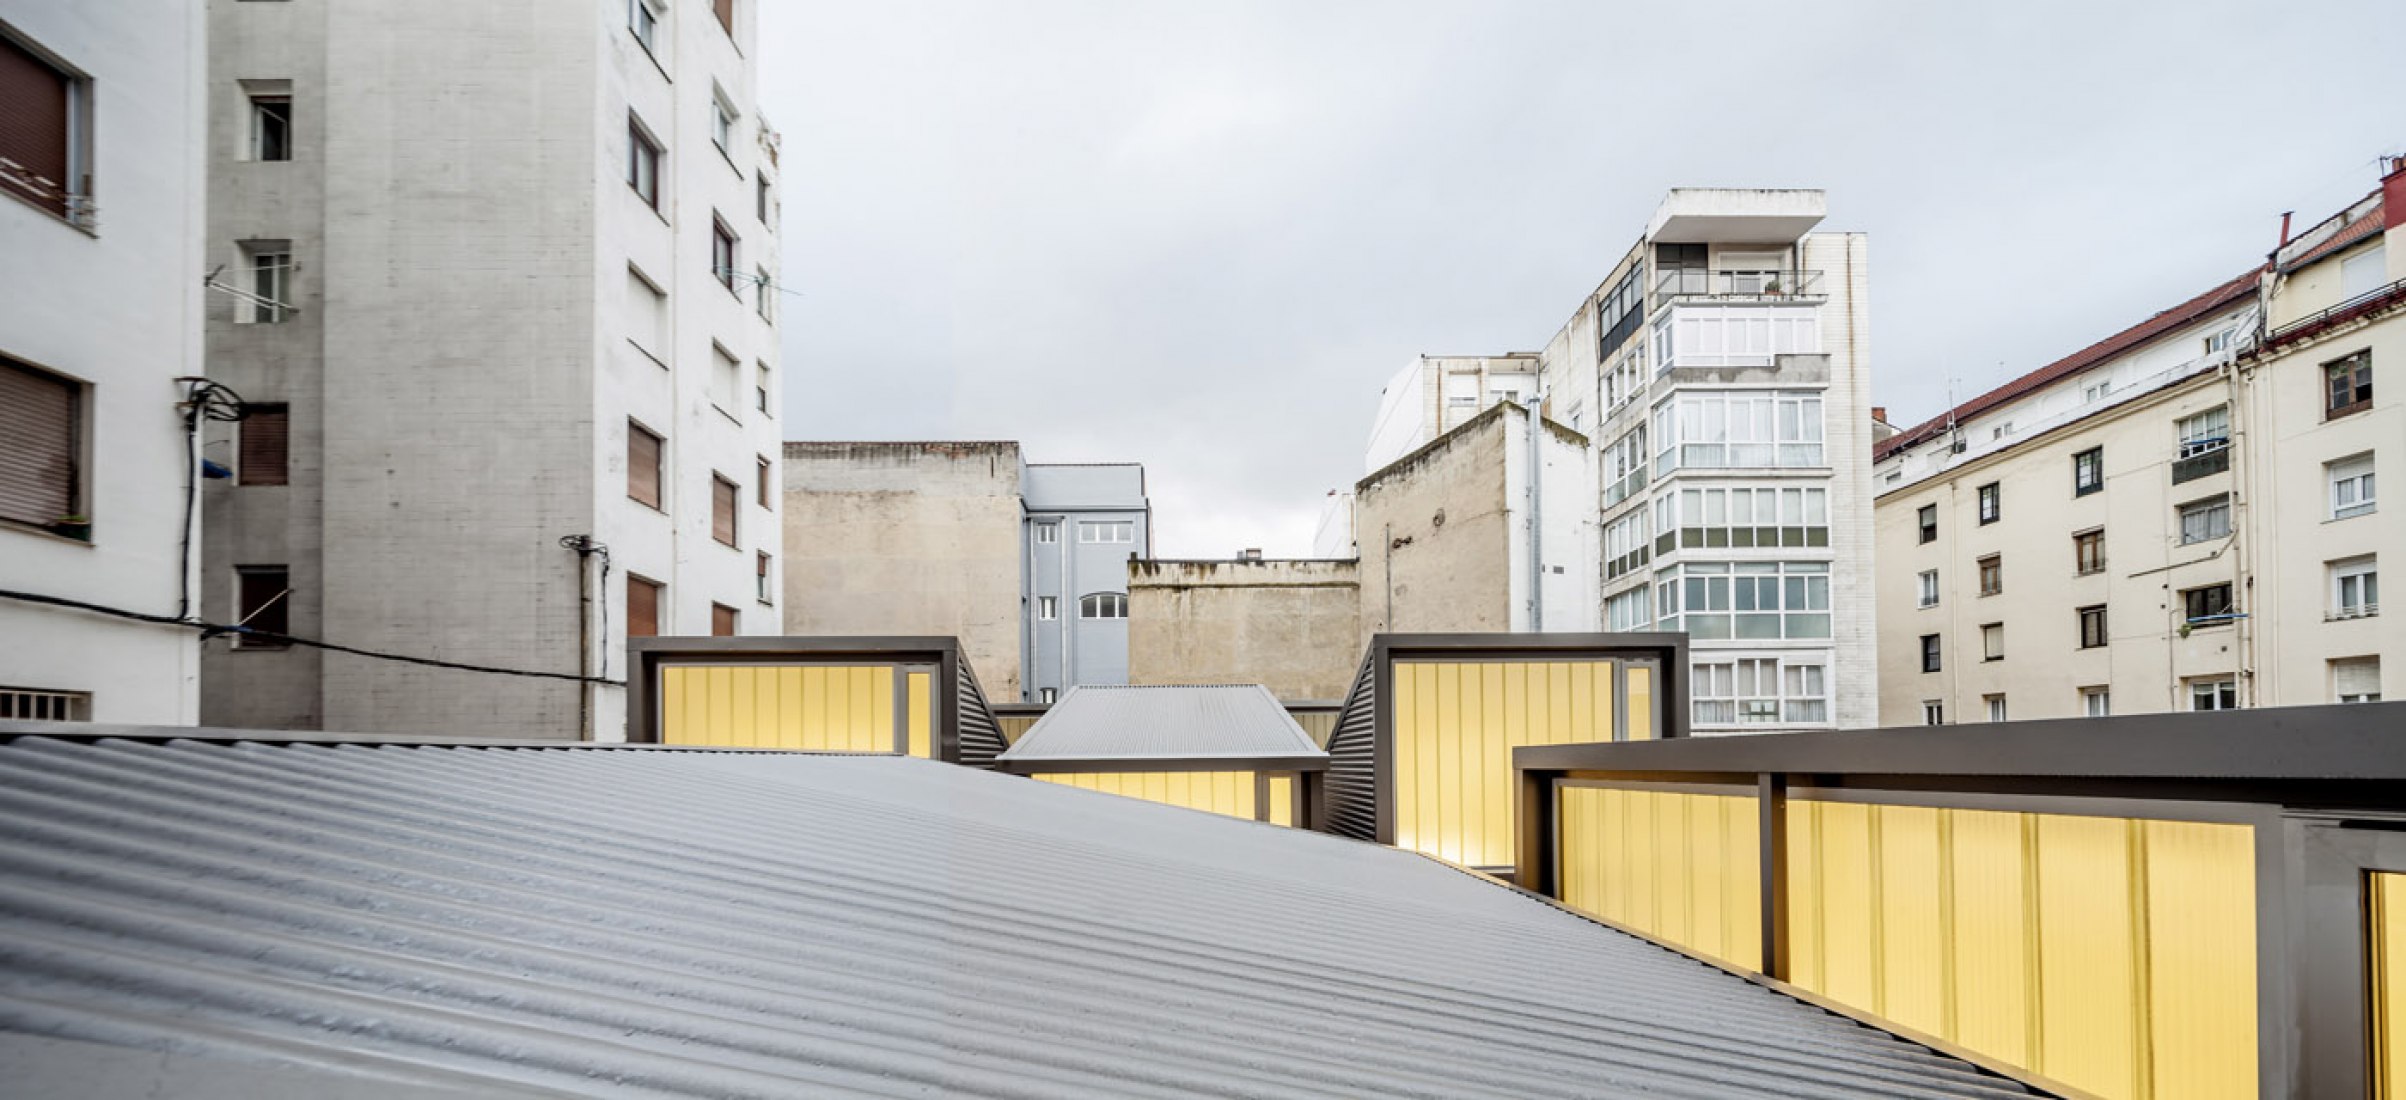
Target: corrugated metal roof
pixel 1145 722
pixel 600 921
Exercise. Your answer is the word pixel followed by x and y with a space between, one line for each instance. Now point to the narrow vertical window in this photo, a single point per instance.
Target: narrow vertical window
pixel 2088 471
pixel 643 465
pixel 1927 520
pixel 723 496
pixel 760 389
pixel 762 480
pixel 722 254
pixel 2348 385
pixel 263 454
pixel 45 133
pixel 643 163
pixel 643 607
pixel 761 577
pixel 723 620
pixel 644 23
pixel 262 606
pixel 268 273
pixel 41 450
pixel 271 126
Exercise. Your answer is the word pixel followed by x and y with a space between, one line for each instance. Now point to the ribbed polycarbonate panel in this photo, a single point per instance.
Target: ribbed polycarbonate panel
pixel 1682 868
pixel 1226 793
pixel 840 708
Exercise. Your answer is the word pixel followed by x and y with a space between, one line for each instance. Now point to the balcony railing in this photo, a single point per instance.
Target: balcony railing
pixel 1749 286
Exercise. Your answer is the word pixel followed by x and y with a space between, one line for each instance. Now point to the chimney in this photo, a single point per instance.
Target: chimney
pixel 2285 228
pixel 1879 414
pixel 2393 196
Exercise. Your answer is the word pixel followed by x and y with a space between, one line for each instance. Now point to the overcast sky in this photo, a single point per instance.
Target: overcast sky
pixel 1202 235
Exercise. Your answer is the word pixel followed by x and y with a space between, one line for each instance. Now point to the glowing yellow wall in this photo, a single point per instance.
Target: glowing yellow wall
pixel 919 716
pixel 845 708
pixel 1455 726
pixel 1682 868
pixel 1282 800
pixel 2115 955
pixel 1229 793
pixel 2386 959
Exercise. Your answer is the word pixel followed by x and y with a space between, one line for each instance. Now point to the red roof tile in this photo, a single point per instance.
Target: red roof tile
pixel 2371 224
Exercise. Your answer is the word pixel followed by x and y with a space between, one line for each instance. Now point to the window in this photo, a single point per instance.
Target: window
pixel 1992 503
pixel 1751 600
pixel 2220 341
pixel 761 577
pixel 1933 712
pixel 1732 336
pixel 1625 547
pixel 2088 471
pixel 2096 391
pixel 2355 588
pixel 1625 466
pixel 2092 626
pixel 2001 431
pixel 1047 695
pixel 1992 642
pixel 1992 574
pixel 45 137
pixel 1122 531
pixel 2088 552
pixel 643 163
pixel 260 605
pixel 1048 532
pixel 261 455
pixel 2207 606
pixel 647 316
pixel 1929 653
pixel 2348 385
pixel 760 390
pixel 722 254
pixel 1631 610
pixel 644 21
pixel 764 477
pixel 42 450
pixel 2364 272
pixel 723 621
pixel 1928 519
pixel 1929 588
pixel 1759 691
pixel 2351 482
pixel 269 267
pixel 2356 680
pixel 1996 707
pixel 2205 519
pixel 1741 517
pixel 726 14
pixel 764 297
pixel 36 705
pixel 271 126
pixel 643 607
pixel 1103 605
pixel 2097 702
pixel 2205 432
pixel 722 123
pixel 726 378
pixel 761 204
pixel 722 509
pixel 1620 310
pixel 643 465
pixel 1048 608
pixel 2213 695
pixel 1738 428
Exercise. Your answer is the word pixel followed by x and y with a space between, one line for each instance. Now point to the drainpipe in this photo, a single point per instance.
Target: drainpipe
pixel 1537 557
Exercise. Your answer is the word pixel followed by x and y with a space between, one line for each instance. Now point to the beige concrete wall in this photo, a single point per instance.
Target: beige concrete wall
pixel 1291 626
pixel 1435 543
pixel 908 538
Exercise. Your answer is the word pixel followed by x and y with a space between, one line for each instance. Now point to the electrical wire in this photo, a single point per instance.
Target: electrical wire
pixel 204 400
pixel 211 630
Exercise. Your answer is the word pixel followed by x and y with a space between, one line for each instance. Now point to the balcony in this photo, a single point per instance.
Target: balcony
pixel 1797 285
pixel 2202 464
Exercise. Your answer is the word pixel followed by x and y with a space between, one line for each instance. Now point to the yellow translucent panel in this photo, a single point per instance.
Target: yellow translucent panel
pixel 1455 725
pixel 1804 896
pixel 1641 704
pixel 1681 868
pixel 838 708
pixel 1988 899
pixel 2201 916
pixel 2386 958
pixel 1912 938
pixel 1847 905
pixel 922 724
pixel 2088 1015
pixel 1228 793
pixel 1282 800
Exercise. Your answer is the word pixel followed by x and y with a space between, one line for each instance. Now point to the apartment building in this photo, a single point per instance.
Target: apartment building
pixel 499 300
pixel 2181 516
pixel 100 249
pixel 1437 393
pixel 1722 369
pixel 1082 526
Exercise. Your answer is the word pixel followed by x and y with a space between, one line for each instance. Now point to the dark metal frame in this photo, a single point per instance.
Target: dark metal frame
pixel 2324 787
pixel 1666 652
pixel 647 657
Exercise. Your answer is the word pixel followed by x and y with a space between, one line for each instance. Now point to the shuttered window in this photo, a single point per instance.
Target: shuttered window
pixel 263 603
pixel 722 621
pixel 766 474
pixel 722 509
pixel 643 465
pixel 37 129
pixel 762 578
pixel 726 14
pixel 643 608
pixel 265 458
pixel 41 426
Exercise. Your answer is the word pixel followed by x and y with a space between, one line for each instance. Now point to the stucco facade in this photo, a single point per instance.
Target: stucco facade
pixel 102 315
pixel 1291 626
pixel 488 292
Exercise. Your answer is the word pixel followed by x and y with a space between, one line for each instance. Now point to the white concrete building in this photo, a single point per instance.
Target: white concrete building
pixel 100 252
pixel 1437 393
pixel 502 308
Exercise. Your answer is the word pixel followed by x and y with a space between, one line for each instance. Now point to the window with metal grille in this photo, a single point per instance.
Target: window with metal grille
pixel 722 509
pixel 36 705
pixel 2207 606
pixel 722 621
pixel 263 457
pixel 2092 626
pixel 1992 503
pixel 1103 605
pixel 262 605
pixel 41 450
pixel 1992 575
pixel 2348 385
pixel 45 132
pixel 2088 471
pixel 644 448
pixel 643 607
pixel 2088 552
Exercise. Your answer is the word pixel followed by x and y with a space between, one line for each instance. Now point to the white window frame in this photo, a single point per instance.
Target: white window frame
pixel 1713 512
pixel 2355 587
pixel 1694 593
pixel 2097 702
pixel 2205 432
pixel 1740 429
pixel 268 272
pixel 1933 712
pixel 1048 608
pixel 2204 511
pixel 643 21
pixel 1929 588
pixel 1742 690
pixel 1992 641
pixel 2220 693
pixel 723 120
pixel 1107 532
pixel 1103 606
pixel 1048 532
pixel 2341 696
pixel 1996 707
pixel 2350 482
pixel 259 119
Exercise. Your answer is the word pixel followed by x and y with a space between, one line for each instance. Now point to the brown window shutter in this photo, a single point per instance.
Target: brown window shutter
pixel 726 14
pixel 265 457
pixel 33 128
pixel 722 509
pixel 40 421
pixel 722 621
pixel 643 465
pixel 643 608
